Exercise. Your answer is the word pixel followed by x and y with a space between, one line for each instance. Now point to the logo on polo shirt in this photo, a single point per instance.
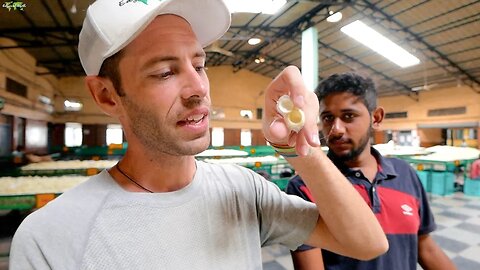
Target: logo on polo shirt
pixel 407 210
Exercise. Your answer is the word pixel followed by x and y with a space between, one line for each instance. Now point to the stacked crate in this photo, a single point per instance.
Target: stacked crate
pixel 436 177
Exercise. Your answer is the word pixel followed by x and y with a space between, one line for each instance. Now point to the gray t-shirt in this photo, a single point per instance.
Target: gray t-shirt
pixel 219 221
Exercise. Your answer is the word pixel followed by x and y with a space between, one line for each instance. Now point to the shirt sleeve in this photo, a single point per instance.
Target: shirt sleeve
pixel 297 187
pixel 25 252
pixel 284 219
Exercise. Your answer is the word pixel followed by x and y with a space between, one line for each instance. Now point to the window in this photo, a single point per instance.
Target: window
pixel 246 137
pixel 73 134
pixel 217 113
pixel 396 115
pixel 447 111
pixel 458 134
pixel 16 87
pixel 217 137
pixel 470 134
pixel 405 138
pixel 473 133
pixel 259 113
pixel 114 134
pixel 247 114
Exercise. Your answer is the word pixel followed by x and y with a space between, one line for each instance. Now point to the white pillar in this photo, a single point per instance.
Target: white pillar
pixel 310 57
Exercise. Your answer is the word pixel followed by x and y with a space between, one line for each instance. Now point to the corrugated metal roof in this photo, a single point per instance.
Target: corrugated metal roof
pixel 443 34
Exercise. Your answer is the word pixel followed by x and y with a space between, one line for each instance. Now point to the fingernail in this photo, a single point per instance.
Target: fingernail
pixel 271 124
pixel 291 140
pixel 274 121
pixel 299 101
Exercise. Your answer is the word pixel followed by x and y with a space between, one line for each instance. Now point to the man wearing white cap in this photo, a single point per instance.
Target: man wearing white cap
pixel 159 208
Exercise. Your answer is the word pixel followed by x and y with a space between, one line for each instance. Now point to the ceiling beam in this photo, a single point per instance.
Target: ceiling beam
pixel 65 12
pixel 263 27
pixel 42 30
pixel 292 30
pixel 55 20
pixel 36 44
pixel 401 86
pixel 43 39
pixel 436 55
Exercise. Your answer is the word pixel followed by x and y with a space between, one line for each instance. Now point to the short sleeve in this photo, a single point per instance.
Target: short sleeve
pixel 297 187
pixel 284 219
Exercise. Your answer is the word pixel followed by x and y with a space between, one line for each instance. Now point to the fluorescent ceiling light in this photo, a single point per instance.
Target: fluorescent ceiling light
pixel 255 6
pixel 72 105
pixel 380 44
pixel 334 16
pixel 44 99
pixel 254 41
pixel 259 60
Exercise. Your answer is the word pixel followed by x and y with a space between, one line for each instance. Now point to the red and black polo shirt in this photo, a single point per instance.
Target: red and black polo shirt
pixel 399 202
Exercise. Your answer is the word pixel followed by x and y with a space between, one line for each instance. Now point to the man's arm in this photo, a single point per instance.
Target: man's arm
pixel 33 158
pixel 25 252
pixel 340 206
pixel 308 259
pixel 341 209
pixel 431 256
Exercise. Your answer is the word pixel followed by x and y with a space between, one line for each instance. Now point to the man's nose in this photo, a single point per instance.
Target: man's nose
pixel 195 84
pixel 337 127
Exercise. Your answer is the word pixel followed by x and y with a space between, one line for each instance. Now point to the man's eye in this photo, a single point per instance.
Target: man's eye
pixel 201 68
pixel 348 117
pixel 327 119
pixel 164 75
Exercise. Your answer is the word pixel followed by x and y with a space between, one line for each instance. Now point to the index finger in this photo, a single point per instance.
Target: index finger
pixel 289 82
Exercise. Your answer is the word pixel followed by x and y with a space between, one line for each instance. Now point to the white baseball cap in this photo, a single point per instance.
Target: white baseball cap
pixel 110 25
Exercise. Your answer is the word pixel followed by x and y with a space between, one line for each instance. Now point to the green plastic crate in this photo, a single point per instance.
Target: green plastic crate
pixel 438 183
pixel 471 187
pixel 423 176
pixel 20 202
pixel 442 183
pixel 281 183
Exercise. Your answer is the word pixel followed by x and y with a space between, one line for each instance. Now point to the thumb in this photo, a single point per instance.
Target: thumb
pixel 278 130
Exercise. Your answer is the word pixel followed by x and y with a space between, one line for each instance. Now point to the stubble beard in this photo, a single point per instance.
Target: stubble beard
pixel 160 139
pixel 353 154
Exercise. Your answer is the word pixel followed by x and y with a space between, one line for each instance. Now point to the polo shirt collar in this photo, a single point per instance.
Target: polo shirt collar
pixel 386 170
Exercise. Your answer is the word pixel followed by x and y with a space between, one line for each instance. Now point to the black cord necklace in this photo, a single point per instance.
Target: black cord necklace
pixel 131 180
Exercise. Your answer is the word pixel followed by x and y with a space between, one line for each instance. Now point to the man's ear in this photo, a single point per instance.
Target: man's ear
pixel 104 94
pixel 377 117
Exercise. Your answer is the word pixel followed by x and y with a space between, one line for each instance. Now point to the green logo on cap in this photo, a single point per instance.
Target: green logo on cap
pixel 123 2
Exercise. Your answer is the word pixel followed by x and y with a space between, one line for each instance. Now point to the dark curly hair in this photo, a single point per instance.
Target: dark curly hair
pixel 352 83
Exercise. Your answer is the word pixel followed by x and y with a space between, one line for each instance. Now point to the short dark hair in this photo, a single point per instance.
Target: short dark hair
pixel 353 83
pixel 110 70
